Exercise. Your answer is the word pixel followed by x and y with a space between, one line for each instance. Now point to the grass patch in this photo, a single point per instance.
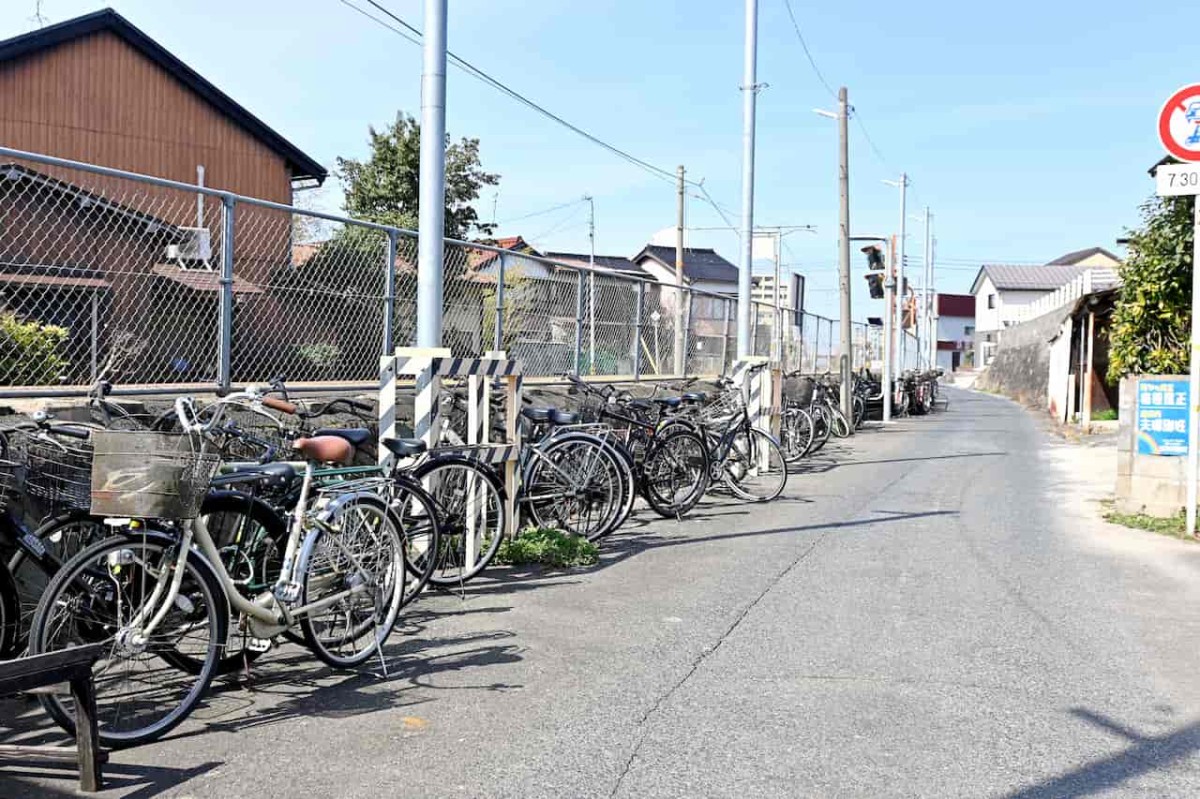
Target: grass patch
pixel 547 546
pixel 1106 415
pixel 1174 526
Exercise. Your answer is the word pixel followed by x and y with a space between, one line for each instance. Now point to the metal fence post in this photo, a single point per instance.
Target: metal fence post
pixel 687 331
pixel 225 312
pixel 579 323
pixel 637 331
pixel 95 335
pixel 389 294
pixel 725 338
pixel 817 345
pixel 498 336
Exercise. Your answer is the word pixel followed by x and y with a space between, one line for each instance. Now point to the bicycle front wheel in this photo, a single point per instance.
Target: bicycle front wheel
pixel 352 574
pixel 796 432
pixel 755 469
pixel 95 598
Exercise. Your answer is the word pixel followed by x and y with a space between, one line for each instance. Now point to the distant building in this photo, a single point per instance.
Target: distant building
pixel 791 290
pixel 955 331
pixel 703 268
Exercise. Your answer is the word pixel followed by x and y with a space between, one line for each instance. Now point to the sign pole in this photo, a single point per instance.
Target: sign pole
pixel 1193 470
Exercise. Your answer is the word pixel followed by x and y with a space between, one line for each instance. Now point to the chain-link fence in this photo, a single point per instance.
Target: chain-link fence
pixel 148 282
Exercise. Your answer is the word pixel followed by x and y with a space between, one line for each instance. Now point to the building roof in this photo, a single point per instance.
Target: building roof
pixel 82 198
pixel 301 165
pixel 1073 258
pixel 617 263
pixel 1010 277
pixel 204 280
pixel 956 305
pixel 481 259
pixel 698 263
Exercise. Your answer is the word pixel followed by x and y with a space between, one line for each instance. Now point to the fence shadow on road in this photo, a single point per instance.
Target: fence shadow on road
pixel 954 456
pixel 1146 753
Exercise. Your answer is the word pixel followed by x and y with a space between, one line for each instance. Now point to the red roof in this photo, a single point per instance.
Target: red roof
pixel 956 305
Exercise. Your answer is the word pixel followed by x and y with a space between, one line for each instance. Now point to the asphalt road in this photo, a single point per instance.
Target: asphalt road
pixel 932 610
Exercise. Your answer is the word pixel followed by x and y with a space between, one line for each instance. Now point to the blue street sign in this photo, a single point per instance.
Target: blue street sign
pixel 1162 416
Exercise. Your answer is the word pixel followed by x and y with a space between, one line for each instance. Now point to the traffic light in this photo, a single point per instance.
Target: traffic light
pixel 875 286
pixel 874 258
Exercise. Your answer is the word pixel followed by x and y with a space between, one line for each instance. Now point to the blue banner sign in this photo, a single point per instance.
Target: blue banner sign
pixel 1162 416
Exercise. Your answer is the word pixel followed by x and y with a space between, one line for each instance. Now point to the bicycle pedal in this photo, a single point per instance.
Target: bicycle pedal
pixel 257 644
pixel 287 592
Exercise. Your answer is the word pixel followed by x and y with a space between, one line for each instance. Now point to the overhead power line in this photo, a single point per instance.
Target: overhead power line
pixel 409 32
pixel 808 53
pixel 542 212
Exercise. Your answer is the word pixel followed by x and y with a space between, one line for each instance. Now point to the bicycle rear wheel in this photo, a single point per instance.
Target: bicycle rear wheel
pixel 675 473
pixel 415 514
pixel 574 483
pixel 93 598
pixel 755 469
pixel 9 614
pixel 353 560
pixel 472 516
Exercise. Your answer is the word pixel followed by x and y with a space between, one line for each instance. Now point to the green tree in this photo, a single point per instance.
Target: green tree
pixel 1151 324
pixel 385 187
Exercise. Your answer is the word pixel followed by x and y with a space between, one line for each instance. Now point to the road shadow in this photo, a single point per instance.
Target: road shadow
pixel 29 780
pixel 1146 753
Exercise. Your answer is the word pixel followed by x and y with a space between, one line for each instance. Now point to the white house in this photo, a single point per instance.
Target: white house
pixel 1000 290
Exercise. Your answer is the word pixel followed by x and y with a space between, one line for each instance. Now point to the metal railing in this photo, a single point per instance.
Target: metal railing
pixel 155 284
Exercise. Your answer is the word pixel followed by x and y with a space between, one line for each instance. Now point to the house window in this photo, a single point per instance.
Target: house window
pixel 968 330
pixel 991 301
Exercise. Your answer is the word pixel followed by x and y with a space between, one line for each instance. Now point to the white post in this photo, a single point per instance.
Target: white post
pixel 745 344
pixel 432 211
pixel 1194 376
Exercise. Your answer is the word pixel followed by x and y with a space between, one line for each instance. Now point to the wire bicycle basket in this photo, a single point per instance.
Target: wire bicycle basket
pixel 59 470
pixel 148 475
pixel 723 406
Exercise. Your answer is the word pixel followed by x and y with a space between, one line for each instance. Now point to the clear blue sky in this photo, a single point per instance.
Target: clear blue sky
pixel 1026 126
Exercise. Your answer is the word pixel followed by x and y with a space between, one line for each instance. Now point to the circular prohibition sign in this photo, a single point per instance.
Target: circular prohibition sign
pixel 1179 124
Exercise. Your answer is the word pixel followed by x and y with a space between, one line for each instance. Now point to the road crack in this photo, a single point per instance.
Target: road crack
pixel 711 649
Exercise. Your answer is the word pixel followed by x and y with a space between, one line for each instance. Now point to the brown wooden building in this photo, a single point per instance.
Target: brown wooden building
pixel 91 253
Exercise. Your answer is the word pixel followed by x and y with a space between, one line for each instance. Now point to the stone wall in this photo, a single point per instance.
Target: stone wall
pixel 1153 484
pixel 1021 368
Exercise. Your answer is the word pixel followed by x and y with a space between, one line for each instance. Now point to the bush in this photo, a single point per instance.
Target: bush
pixel 548 547
pixel 30 353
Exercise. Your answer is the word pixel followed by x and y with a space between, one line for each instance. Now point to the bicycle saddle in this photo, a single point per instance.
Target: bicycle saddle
pixel 258 475
pixel 536 414
pixel 404 447
pixel 562 417
pixel 355 435
pixel 695 396
pixel 325 449
pixel 669 402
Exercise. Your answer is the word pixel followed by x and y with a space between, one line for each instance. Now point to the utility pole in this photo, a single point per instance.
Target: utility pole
pixel 680 355
pixel 432 211
pixel 847 365
pixel 749 96
pixel 591 283
pixel 778 311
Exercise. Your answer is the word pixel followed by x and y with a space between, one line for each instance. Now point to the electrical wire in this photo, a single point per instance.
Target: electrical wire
pixel 808 53
pixel 543 212
pixel 484 77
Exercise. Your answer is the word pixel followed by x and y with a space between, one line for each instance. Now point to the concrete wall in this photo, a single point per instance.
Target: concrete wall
pixel 1021 367
pixel 1153 484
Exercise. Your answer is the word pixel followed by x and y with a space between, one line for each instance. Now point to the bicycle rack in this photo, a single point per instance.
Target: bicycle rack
pixel 427 367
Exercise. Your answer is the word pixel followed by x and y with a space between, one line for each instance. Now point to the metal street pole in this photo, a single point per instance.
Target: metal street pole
pixel 680 355
pixel 431 214
pixel 900 262
pixel 1194 377
pixel 927 311
pixel 778 311
pixel 889 299
pixel 749 96
pixel 844 249
pixel 591 284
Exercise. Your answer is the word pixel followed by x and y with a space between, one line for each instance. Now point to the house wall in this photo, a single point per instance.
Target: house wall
pixel 97 99
pixel 1007 301
pixel 1020 367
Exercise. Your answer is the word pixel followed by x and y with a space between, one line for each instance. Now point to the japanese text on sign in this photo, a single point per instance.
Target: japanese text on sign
pixel 1162 417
